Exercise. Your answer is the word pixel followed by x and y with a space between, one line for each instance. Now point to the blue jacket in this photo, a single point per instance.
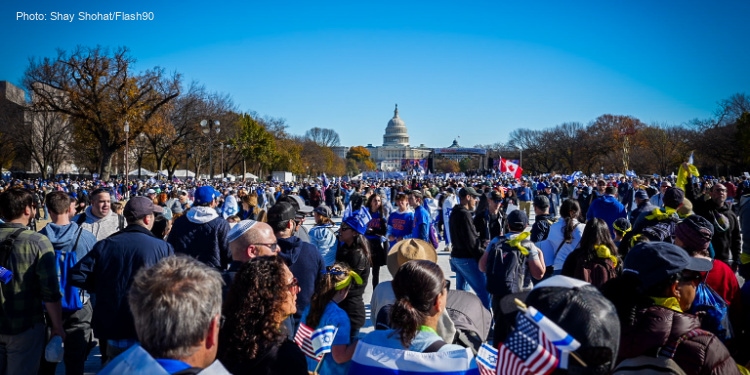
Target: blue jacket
pixel 608 209
pixel 108 270
pixel 202 234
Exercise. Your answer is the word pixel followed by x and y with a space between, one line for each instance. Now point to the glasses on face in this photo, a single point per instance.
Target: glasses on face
pixel 272 246
pixel 447 285
pixel 293 286
pixel 690 277
pixel 222 319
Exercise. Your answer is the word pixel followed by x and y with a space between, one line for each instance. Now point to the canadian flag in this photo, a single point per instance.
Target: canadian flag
pixel 507 166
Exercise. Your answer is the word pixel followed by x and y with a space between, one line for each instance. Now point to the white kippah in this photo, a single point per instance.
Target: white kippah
pixel 240 229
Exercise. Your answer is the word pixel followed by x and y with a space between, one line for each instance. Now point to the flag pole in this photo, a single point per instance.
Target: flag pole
pixel 522 306
pixel 319 363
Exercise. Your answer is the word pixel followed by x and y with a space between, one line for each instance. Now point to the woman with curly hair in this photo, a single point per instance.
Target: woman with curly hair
pixel 253 339
pixel 595 261
pixel 332 287
pixel 354 251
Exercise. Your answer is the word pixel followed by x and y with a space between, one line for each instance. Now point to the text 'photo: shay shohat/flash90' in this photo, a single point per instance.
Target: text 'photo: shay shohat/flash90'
pixel 238 230
pixel 653 262
pixel 138 207
pixel 409 249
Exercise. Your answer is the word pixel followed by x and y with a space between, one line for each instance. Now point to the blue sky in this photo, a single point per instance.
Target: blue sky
pixel 472 69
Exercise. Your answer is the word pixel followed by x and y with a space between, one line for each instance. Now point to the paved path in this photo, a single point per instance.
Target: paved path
pixel 93 363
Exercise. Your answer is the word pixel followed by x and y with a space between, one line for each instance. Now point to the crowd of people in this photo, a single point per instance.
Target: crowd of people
pixel 192 277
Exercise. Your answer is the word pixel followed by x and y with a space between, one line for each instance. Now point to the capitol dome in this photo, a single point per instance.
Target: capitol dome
pixel 395 132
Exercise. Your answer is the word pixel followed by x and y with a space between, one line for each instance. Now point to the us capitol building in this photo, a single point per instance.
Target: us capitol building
pixel 395 147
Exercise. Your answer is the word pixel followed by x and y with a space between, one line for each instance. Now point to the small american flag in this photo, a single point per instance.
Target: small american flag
pixel 487 360
pixel 527 350
pixel 315 343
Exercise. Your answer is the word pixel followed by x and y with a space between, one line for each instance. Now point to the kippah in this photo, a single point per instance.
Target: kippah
pixel 240 229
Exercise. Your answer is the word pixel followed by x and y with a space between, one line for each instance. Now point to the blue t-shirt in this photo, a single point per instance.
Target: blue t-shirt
pixel 400 224
pixel 332 316
pixel 422 220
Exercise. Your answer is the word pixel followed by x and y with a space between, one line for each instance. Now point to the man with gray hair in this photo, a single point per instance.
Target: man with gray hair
pixel 176 307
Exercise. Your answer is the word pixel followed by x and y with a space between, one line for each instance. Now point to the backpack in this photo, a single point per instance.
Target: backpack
pixel 662 364
pixel 505 272
pixel 661 231
pixel 72 297
pixel 6 247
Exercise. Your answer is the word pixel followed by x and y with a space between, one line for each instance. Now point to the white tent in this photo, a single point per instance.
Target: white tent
pixel 250 176
pixel 144 172
pixel 180 173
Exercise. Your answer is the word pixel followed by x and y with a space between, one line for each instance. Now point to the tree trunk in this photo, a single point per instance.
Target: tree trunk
pixel 105 165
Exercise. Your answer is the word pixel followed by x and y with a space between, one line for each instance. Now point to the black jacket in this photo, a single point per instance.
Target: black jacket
pixel 727 242
pixel 108 270
pixel 465 240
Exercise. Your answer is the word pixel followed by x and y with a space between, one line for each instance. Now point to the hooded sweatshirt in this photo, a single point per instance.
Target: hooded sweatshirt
pixel 63 237
pixel 324 238
pixel 202 234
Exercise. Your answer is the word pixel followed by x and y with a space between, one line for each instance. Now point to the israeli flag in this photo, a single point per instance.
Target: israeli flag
pixel 322 339
pixel 574 176
pixel 631 174
pixel 562 340
pixel 377 360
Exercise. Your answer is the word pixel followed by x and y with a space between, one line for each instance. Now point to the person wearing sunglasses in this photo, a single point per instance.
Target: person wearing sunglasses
pixel 254 338
pixel 657 287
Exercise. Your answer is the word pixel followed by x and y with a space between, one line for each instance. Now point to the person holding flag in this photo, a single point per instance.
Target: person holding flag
pixel 325 327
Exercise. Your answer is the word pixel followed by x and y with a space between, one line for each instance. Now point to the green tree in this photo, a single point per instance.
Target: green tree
pixel 254 142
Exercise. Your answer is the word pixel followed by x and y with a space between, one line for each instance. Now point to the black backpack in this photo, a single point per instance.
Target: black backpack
pixel 6 247
pixel 505 269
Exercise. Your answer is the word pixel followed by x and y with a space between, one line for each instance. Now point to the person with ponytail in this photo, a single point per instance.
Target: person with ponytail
pixel 563 237
pixel 332 287
pixel 421 292
pixel 595 261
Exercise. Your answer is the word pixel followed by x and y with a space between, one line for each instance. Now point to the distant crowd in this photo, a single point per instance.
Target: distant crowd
pixel 172 277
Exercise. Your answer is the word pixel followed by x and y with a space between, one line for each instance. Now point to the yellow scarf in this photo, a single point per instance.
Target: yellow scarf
pixel 346 282
pixel 516 242
pixel 668 302
pixel 658 214
pixel 602 251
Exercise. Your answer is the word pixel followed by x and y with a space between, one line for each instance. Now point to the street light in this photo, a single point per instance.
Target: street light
pixel 520 158
pixel 127 146
pixel 223 146
pixel 206 127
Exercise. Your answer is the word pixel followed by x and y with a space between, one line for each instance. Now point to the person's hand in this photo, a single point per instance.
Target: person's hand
pixel 57 332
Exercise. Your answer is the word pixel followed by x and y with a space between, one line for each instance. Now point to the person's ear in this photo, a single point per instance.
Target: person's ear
pixel 212 336
pixel 674 291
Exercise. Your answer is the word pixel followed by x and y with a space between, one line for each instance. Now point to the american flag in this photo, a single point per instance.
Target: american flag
pixel 487 360
pixel 315 343
pixel 527 350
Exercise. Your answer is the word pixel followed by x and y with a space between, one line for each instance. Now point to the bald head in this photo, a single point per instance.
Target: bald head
pixel 259 240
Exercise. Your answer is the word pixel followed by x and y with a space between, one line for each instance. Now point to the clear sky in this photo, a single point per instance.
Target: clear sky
pixel 472 69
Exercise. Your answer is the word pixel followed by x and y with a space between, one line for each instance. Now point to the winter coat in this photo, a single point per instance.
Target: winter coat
pixel 202 234
pixel 108 270
pixel 655 326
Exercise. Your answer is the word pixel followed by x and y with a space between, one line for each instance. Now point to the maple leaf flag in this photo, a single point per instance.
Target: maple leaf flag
pixel 507 166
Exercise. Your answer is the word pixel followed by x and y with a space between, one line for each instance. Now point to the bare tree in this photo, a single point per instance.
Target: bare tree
pixel 323 137
pixel 44 138
pixel 99 91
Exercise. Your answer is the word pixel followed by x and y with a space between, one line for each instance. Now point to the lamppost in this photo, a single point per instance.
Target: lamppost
pixel 520 157
pixel 207 126
pixel 187 165
pixel 223 146
pixel 127 146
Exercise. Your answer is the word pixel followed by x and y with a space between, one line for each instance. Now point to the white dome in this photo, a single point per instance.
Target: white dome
pixel 396 133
